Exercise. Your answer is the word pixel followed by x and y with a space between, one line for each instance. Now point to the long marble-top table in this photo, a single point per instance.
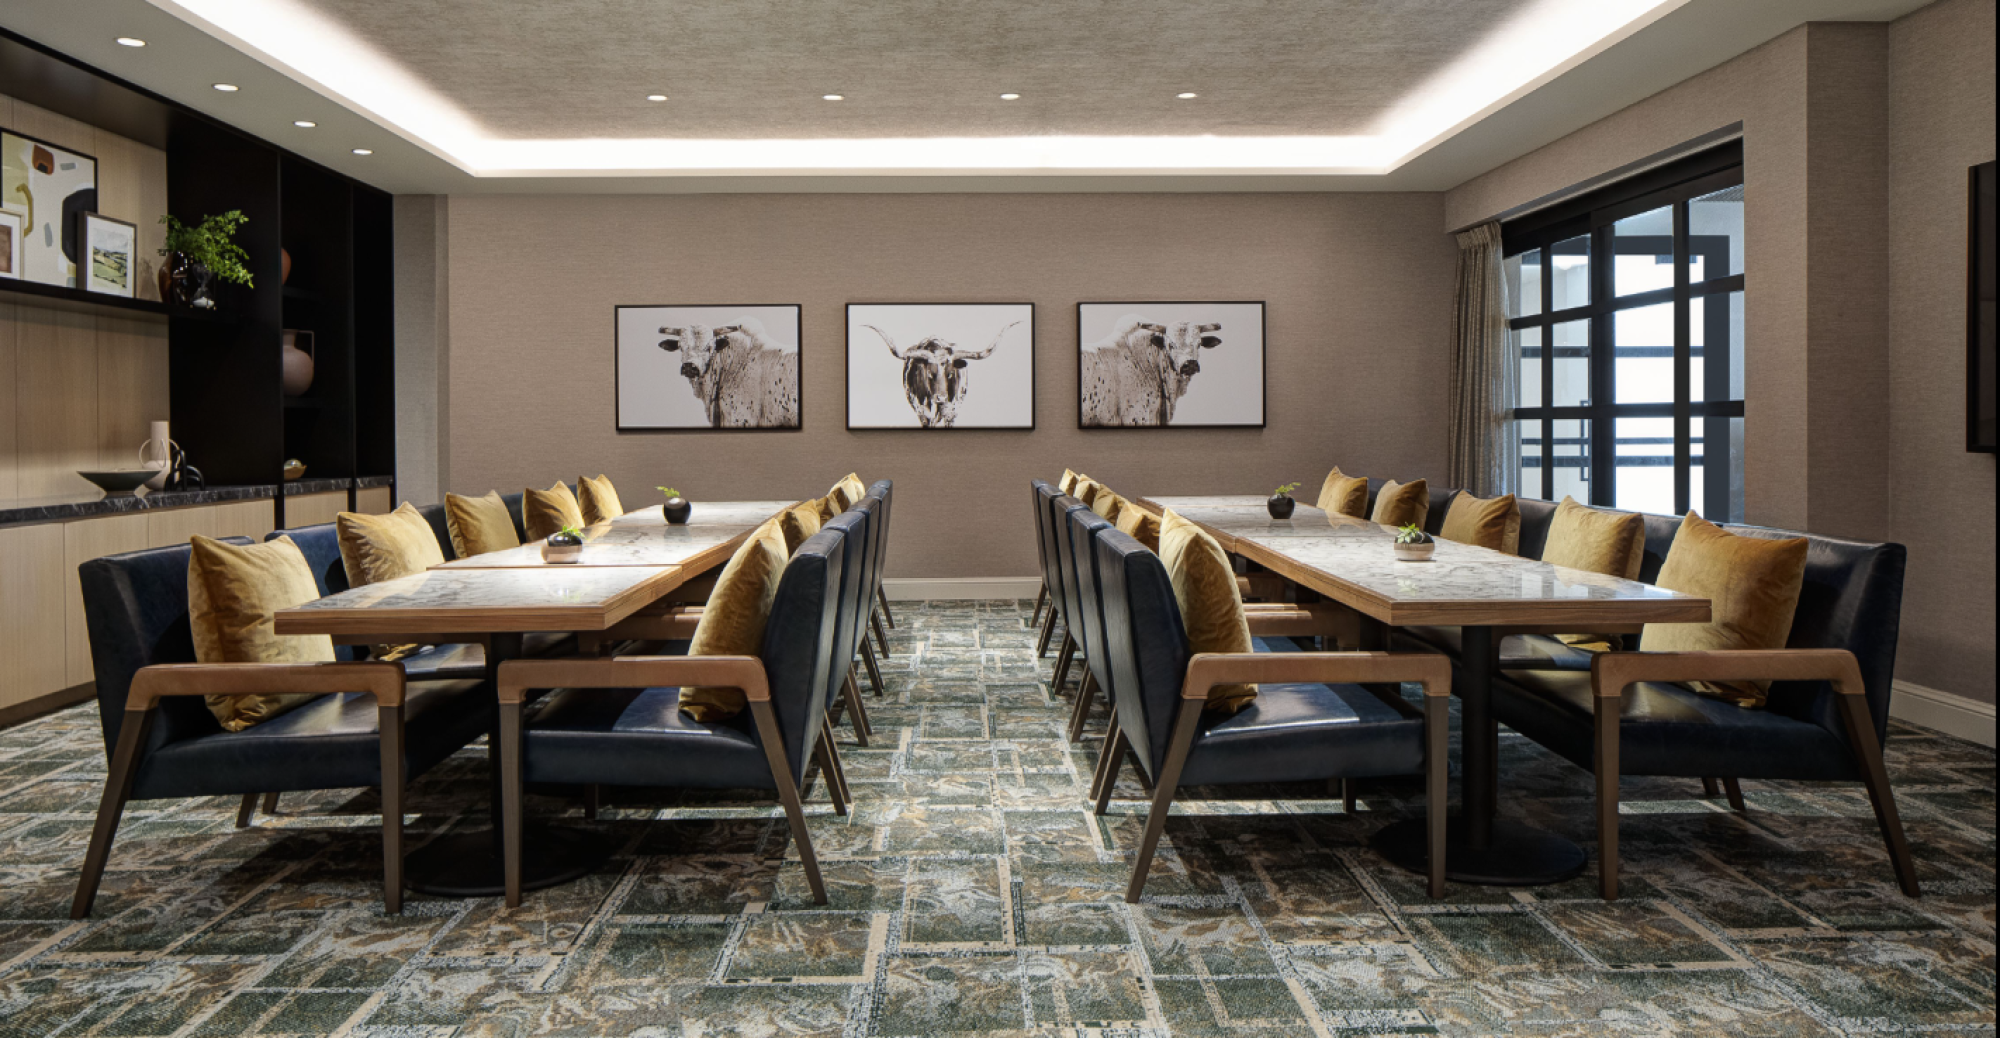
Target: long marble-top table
pixel 645 538
pixel 1485 594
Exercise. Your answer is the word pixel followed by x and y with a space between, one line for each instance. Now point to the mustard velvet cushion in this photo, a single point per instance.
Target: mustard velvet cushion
pixel 1342 494
pixel 1068 481
pixel 1211 607
pixel 798 524
pixel 233 592
pixel 1403 504
pixel 1086 490
pixel 598 499
pixel 825 507
pixel 1140 525
pixel 732 624
pixel 544 512
pixel 479 524
pixel 375 548
pixel 848 492
pixel 1753 586
pixel 1596 540
pixel 1489 522
pixel 1108 505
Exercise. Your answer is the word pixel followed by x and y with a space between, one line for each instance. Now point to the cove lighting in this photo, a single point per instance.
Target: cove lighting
pixel 227 88
pixel 1543 39
pixel 131 41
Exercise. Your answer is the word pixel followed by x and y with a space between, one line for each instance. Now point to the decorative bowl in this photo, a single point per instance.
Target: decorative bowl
pixel 560 554
pixel 120 484
pixel 294 468
pixel 1415 552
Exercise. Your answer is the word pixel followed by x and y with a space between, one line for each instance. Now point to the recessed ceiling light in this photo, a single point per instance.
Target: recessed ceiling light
pixel 1010 97
pixel 363 151
pixel 1187 96
pixel 656 97
pixel 833 97
pixel 131 41
pixel 227 88
pixel 304 124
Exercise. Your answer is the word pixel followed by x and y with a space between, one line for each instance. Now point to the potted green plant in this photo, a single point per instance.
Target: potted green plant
pixel 1281 504
pixel 1413 544
pixel 564 545
pixel 677 509
pixel 197 255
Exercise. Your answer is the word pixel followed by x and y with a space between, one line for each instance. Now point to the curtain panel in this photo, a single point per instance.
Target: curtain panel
pixel 1485 455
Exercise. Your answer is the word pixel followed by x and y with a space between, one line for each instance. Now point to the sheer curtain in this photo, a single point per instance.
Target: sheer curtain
pixel 1485 456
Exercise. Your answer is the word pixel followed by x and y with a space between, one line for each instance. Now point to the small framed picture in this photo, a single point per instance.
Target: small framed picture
pixel 10 245
pixel 940 366
pixel 110 255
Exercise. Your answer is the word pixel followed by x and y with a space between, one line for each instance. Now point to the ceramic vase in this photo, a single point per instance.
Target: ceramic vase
pixel 677 510
pixel 157 453
pixel 298 365
pixel 1280 506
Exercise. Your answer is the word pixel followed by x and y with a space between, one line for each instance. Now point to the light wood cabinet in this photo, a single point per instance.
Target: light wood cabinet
pixel 314 509
pixel 84 540
pixel 374 501
pixel 32 653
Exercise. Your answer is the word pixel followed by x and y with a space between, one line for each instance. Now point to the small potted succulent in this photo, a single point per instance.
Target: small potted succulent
pixel 1413 544
pixel 677 509
pixel 564 545
pixel 1281 504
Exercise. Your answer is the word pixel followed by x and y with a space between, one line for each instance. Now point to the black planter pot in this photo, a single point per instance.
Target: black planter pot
pixel 1280 506
pixel 677 514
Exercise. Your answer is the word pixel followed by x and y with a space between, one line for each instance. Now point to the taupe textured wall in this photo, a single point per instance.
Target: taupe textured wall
pixel 1358 288
pixel 1941 119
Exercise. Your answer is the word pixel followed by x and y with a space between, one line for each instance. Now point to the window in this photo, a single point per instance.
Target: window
pixel 1627 318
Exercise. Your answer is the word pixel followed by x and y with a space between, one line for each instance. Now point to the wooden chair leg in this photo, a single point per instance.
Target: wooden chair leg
pixel 1081 711
pixel 592 795
pixel 1437 785
pixel 1710 788
pixel 874 669
pixel 1347 795
pixel 1108 764
pixel 1605 764
pixel 389 723
pixel 270 803
pixel 788 793
pixel 881 640
pixel 858 713
pixel 246 812
pixel 1735 791
pixel 1868 757
pixel 839 769
pixel 882 599
pixel 1110 741
pixel 1063 660
pixel 1041 599
pixel 828 775
pixel 111 807
pixel 511 807
pixel 1163 797
pixel 1048 632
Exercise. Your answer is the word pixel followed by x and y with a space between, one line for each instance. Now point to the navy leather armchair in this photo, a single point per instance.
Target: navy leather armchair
pixel 617 721
pixel 370 726
pixel 1296 730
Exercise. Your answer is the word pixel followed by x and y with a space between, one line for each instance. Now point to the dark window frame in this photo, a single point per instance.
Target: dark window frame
pixel 1593 216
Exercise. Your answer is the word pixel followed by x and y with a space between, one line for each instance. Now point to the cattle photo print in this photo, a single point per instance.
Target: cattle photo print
pixel 1188 365
pixel 708 367
pixel 940 365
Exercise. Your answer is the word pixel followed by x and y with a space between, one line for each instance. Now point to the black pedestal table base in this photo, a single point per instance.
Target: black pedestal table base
pixel 467 864
pixel 1517 855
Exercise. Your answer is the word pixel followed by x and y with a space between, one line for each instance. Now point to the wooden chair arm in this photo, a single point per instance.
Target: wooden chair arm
pixel 384 681
pixel 1209 669
pixel 1284 620
pixel 674 624
pixel 517 677
pixel 1611 673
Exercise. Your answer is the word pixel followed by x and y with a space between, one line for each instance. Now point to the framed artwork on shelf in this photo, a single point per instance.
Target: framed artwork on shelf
pixel 10 245
pixel 707 367
pixel 50 186
pixel 111 254
pixel 940 365
pixel 1156 364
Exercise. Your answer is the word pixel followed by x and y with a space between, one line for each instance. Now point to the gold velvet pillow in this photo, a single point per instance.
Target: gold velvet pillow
pixel 1068 481
pixel 1596 540
pixel 479 524
pixel 1141 525
pixel 1342 494
pixel 1403 504
pixel 1490 522
pixel 1086 490
pixel 798 524
pixel 598 499
pixel 375 548
pixel 1753 587
pixel 233 591
pixel 544 512
pixel 825 507
pixel 1108 505
pixel 848 492
pixel 1211 607
pixel 732 624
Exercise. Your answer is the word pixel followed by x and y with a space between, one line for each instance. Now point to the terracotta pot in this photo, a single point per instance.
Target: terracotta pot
pixel 298 366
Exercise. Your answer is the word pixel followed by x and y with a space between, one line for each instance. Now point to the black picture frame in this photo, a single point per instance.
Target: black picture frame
pixel 618 375
pixel 1033 369
pixel 1263 363
pixel 1982 374
pixel 84 278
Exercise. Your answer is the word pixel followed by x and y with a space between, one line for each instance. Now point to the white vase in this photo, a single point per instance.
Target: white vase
pixel 157 453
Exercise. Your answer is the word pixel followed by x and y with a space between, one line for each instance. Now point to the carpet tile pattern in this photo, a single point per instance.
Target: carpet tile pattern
pixel 973 893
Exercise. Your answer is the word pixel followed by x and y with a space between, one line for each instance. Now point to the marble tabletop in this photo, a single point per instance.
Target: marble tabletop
pixel 552 598
pixel 1352 561
pixel 645 538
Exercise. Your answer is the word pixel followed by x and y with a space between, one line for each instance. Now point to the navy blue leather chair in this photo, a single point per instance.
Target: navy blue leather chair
pixel 1078 541
pixel 1066 590
pixel 1042 494
pixel 370 727
pixel 875 502
pixel 1633 714
pixel 887 491
pixel 618 721
pixel 853 526
pixel 1294 731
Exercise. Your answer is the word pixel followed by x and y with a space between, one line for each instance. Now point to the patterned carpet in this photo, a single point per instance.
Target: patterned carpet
pixel 974 893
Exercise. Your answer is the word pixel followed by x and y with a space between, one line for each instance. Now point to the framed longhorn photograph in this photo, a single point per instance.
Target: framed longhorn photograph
pixel 940 365
pixel 707 367
pixel 1186 365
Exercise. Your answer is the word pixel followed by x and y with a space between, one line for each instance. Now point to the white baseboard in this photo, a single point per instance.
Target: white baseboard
pixel 940 589
pixel 1955 716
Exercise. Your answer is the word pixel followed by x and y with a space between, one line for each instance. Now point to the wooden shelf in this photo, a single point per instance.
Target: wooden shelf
pixel 77 300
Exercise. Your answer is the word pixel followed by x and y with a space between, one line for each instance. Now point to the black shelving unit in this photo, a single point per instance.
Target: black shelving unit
pixel 229 409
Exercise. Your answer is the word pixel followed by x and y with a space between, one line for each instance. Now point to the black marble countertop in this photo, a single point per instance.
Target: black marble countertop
pixel 58 509
pixel 370 482
pixel 295 487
